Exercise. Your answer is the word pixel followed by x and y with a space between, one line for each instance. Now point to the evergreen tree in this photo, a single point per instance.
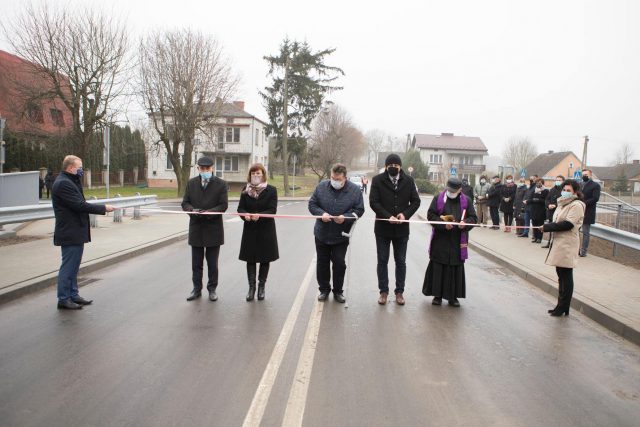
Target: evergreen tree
pixel 300 82
pixel 412 159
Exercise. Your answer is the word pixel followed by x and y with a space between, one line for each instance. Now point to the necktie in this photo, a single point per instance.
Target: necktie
pixel 395 183
pixel 205 182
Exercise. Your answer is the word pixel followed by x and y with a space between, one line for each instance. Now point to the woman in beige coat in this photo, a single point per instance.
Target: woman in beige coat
pixel 565 242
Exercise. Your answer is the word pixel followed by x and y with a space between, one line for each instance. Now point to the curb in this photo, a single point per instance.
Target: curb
pixel 35 284
pixel 589 308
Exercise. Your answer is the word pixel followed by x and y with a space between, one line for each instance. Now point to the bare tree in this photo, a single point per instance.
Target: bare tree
pixel 80 55
pixel 519 152
pixel 624 154
pixel 185 80
pixel 375 139
pixel 334 139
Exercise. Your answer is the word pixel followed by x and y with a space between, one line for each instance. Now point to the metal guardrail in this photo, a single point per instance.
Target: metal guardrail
pixel 619 237
pixel 27 213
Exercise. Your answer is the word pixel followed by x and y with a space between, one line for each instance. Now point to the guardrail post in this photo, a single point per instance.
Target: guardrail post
pixel 618 215
pixel 93 219
pixel 136 210
pixel 117 213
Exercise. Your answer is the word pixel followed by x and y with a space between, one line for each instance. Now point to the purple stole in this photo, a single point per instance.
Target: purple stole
pixel 440 201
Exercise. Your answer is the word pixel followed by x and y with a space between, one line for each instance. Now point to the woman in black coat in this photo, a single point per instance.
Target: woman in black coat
pixel 259 239
pixel 507 199
pixel 518 206
pixel 538 209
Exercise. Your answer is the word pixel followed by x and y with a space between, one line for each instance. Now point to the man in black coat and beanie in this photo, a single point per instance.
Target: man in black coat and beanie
pixel 72 229
pixel 205 193
pixel 493 195
pixel 393 197
pixel 591 192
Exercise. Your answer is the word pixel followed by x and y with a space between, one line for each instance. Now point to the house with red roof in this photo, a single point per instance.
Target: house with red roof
pixel 27 103
pixel 446 153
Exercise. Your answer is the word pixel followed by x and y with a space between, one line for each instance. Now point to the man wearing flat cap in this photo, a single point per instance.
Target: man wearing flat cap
pixel 445 277
pixel 394 198
pixel 204 195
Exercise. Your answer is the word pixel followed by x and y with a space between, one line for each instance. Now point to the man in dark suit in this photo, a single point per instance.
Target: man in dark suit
pixel 591 192
pixel 205 193
pixel 393 197
pixel 72 229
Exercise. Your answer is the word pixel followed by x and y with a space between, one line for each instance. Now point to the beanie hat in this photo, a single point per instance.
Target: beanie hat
pixel 393 159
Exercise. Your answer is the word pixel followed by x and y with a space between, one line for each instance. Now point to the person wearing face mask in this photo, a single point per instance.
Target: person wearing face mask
pixel 205 193
pixel 467 190
pixel 565 241
pixel 518 206
pixel 339 203
pixel 591 191
pixel 538 209
pixel 527 205
pixel 480 192
pixel 393 197
pixel 551 200
pixel 507 200
pixel 72 229
pixel 445 277
pixel 259 239
pixel 494 198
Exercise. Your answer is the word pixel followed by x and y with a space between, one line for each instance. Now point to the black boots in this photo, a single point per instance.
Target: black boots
pixel 262 279
pixel 251 274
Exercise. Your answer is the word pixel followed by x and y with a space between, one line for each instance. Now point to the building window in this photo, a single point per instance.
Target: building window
pixel 220 134
pixel 466 176
pixel 434 176
pixel 467 160
pixel 257 137
pixel 232 134
pixel 57 117
pixel 229 135
pixel 35 113
pixel 236 134
pixel 231 164
pixel 169 164
pixel 435 159
pixel 219 166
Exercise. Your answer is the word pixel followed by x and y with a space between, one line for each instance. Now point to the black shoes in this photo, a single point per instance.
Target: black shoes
pixel 260 291
pixel 68 305
pixel 194 295
pixel 81 301
pixel 213 296
pixel 323 296
pixel 339 298
pixel 436 301
pixel 454 302
pixel 523 235
pixel 559 312
pixel 252 292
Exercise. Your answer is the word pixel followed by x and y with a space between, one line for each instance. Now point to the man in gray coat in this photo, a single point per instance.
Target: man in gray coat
pixel 339 202
pixel 480 193
pixel 205 193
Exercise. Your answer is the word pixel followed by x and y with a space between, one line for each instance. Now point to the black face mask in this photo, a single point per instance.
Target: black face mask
pixel 393 171
pixel 585 178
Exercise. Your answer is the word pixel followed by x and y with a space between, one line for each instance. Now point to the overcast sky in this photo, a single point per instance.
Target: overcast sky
pixel 550 70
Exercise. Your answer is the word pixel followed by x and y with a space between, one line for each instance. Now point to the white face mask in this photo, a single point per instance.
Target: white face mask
pixel 256 180
pixel 452 195
pixel 509 181
pixel 337 184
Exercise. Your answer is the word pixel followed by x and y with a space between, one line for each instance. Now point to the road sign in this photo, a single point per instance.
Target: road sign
pixel 523 172
pixel 453 171
pixel 410 169
pixel 577 174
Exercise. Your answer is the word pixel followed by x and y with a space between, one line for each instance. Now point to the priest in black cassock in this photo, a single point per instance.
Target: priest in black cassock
pixel 448 250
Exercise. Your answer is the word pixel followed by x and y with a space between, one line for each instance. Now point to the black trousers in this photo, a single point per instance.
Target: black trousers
pixel 198 255
pixel 328 256
pixel 508 219
pixel 262 275
pixel 495 215
pixel 537 233
pixel 565 287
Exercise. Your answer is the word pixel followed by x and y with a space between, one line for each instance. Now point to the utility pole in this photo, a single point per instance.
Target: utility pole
pixel 285 127
pixel 584 152
pixel 2 152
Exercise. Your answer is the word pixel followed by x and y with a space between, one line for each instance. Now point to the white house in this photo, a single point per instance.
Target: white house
pixel 238 141
pixel 446 152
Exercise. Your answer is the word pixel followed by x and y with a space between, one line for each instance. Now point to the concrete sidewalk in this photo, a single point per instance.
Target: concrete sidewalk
pixel 33 265
pixel 605 291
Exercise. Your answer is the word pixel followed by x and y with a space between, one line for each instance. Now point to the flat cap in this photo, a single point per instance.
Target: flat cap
pixel 454 184
pixel 205 161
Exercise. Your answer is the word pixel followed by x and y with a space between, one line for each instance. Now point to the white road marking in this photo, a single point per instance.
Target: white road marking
pixel 298 395
pixel 261 397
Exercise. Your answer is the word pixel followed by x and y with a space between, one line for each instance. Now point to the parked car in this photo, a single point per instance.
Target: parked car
pixel 356 179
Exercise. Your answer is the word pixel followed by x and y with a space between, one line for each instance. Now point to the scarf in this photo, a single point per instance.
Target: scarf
pixel 440 202
pixel 255 190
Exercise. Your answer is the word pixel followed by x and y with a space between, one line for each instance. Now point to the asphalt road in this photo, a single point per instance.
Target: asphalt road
pixel 143 356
